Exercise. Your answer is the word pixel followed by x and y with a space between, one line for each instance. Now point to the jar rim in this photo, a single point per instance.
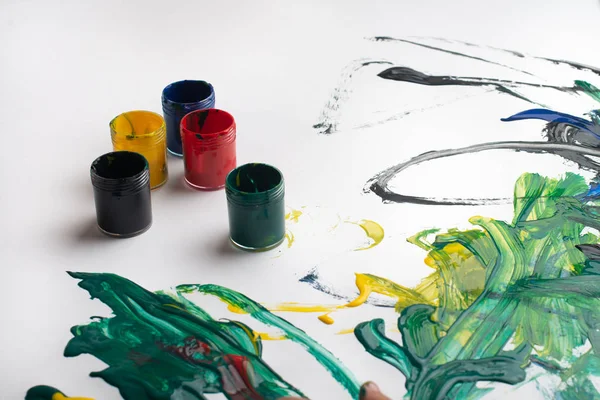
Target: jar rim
pixel 232 181
pixel 198 83
pixel 161 130
pixel 228 123
pixel 136 170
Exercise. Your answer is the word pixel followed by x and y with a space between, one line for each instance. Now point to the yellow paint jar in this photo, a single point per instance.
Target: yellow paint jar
pixel 143 132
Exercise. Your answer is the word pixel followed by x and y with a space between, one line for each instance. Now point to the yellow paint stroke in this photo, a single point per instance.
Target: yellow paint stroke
pixel 289 236
pixel 60 396
pixel 373 230
pixel 326 319
pixel 267 336
pixel 452 263
pixel 235 309
pixel 304 308
pixel 293 215
pixel 253 336
pixel 366 284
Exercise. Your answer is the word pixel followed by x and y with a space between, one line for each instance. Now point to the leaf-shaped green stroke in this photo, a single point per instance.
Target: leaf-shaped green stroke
pixel 589 89
pixel 159 347
pixel 435 383
pixel 342 374
pixel 538 291
pixel 371 335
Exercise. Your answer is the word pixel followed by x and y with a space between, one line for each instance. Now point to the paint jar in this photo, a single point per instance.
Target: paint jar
pixel 255 203
pixel 121 182
pixel 208 138
pixel 180 98
pixel 143 132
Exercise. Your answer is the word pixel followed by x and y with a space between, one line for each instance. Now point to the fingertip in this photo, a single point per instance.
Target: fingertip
pixel 370 391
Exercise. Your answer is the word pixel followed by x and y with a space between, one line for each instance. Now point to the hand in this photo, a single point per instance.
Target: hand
pixel 368 391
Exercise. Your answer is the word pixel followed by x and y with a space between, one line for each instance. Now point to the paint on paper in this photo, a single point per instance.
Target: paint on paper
pixel 505 296
pixel 525 77
pixel 161 345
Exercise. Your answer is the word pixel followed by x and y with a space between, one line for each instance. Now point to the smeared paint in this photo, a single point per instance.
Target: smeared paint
pixel 313 279
pixel 289 237
pixel 373 230
pixel 303 308
pixel 329 119
pixel 326 319
pixel 366 284
pixel 379 184
pixel 293 215
pixel 42 392
pixel 345 331
pixel 531 284
pixel 159 345
pixel 261 314
pixel 268 336
pixel 573 138
pixel 405 74
pixel 442 50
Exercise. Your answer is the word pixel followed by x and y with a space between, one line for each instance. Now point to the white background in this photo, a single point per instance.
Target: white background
pixel 67 68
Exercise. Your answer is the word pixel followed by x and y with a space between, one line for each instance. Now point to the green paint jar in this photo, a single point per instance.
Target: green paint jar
pixel 255 202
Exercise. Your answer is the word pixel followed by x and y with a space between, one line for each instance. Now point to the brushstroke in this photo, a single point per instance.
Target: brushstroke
pixel 329 119
pixel 557 118
pixel 293 215
pixel 289 236
pixel 161 346
pixel 268 336
pixel 406 74
pixel 366 284
pixel 451 52
pixel 373 230
pixel 327 122
pixel 572 64
pixel 450 251
pixel 326 319
pixel 380 182
pixel 531 284
pixel 261 314
pixel 43 392
pixel 313 279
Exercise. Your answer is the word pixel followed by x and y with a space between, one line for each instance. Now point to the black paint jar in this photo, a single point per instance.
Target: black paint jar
pixel 121 182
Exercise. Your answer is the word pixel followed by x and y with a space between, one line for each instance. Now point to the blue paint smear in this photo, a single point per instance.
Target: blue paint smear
pixel 556 117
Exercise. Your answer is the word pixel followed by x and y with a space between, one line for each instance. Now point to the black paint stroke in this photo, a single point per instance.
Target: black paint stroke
pixel 452 52
pixel 405 74
pixel 327 122
pixel 329 118
pixel 312 278
pixel 572 64
pixel 379 183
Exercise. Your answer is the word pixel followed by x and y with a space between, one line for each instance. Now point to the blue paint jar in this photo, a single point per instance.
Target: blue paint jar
pixel 255 203
pixel 180 98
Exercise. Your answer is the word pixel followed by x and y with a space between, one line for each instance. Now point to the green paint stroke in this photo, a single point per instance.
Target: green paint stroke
pixel 261 314
pixel 162 346
pixel 538 292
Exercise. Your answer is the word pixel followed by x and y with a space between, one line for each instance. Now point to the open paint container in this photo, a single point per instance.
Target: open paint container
pixel 121 182
pixel 180 98
pixel 143 132
pixel 209 154
pixel 255 202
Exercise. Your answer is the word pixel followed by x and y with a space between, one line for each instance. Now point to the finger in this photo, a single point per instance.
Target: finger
pixel 370 391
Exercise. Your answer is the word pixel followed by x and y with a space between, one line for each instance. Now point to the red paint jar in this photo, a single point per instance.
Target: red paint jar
pixel 208 138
